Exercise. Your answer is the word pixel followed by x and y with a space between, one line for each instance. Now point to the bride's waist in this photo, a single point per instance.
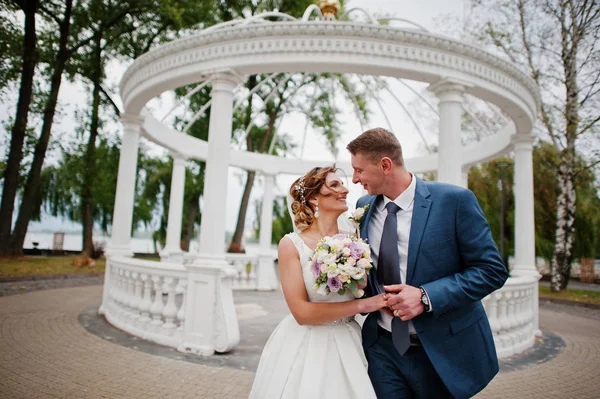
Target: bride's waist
pixel 343 321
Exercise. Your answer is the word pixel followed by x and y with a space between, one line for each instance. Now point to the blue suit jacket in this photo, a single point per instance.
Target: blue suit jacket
pixel 452 255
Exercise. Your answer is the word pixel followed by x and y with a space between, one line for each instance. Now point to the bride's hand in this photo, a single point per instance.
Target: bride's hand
pixel 373 303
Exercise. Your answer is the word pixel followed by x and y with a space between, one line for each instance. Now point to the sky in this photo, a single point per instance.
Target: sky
pixel 427 13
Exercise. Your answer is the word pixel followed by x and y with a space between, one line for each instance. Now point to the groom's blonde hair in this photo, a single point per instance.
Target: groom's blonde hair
pixel 375 144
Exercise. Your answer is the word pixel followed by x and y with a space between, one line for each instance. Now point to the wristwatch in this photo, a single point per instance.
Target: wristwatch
pixel 425 299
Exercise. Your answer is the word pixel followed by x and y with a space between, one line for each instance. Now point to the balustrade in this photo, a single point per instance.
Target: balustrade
pixel 148 299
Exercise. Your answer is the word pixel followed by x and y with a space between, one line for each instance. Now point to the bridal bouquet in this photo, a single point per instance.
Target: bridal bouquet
pixel 341 263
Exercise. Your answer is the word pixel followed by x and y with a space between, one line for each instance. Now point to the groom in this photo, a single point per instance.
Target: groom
pixel 435 256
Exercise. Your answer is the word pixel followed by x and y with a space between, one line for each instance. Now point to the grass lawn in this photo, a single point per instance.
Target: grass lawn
pixel 571 295
pixel 42 265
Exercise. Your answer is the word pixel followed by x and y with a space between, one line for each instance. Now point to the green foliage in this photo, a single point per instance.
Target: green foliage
pixel 60 184
pixel 11 48
pixel 282 221
pixel 484 182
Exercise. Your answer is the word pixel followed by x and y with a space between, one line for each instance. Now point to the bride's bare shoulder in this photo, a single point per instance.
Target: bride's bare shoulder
pixel 287 248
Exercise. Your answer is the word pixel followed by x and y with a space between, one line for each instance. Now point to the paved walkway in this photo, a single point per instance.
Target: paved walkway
pixel 45 352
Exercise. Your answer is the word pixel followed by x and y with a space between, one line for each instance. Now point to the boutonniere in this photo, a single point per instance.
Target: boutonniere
pixel 357 215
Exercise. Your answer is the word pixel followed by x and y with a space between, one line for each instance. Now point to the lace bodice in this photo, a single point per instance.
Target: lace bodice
pixel 305 254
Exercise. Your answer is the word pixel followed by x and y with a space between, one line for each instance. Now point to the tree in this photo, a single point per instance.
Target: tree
pixel 484 179
pixel 89 33
pixel 556 41
pixel 18 131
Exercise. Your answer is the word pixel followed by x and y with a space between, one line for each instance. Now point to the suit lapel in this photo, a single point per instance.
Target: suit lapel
pixel 364 233
pixel 421 210
pixel 364 226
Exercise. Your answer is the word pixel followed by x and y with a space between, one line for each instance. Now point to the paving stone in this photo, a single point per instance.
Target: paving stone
pixel 45 352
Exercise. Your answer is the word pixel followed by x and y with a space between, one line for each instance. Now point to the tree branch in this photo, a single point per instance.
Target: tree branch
pixel 110 101
pixel 51 14
pixel 588 126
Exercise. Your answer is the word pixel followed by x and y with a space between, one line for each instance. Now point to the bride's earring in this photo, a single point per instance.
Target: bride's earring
pixel 317 211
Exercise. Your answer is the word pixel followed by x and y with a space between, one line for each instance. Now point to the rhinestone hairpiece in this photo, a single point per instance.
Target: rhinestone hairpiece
pixel 300 188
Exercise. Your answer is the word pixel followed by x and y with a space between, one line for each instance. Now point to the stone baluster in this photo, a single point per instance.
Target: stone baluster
pixel 146 302
pixel 491 303
pixel 181 289
pixel 131 312
pixel 170 310
pixel 252 281
pixel 157 306
pixel 137 296
pixel 114 288
pixel 502 319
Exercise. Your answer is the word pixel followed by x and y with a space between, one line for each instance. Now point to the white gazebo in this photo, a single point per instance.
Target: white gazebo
pixel 185 300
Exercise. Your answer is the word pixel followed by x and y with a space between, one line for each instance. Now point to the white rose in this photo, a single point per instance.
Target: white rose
pixel 322 289
pixel 357 273
pixel 347 241
pixel 346 251
pixel 333 273
pixel 323 268
pixel 344 277
pixel 358 213
pixel 337 245
pixel 328 259
pixel 351 262
pixel 363 263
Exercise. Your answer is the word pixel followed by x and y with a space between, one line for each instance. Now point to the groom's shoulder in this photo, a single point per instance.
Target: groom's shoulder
pixel 444 189
pixel 364 200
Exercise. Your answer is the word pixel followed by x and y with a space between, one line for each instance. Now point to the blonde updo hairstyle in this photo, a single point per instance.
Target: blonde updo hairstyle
pixel 304 189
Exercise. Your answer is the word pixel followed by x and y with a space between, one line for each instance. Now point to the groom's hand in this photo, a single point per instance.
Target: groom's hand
pixel 404 301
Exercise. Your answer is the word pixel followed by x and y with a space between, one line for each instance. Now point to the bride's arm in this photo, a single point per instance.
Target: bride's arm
pixel 312 313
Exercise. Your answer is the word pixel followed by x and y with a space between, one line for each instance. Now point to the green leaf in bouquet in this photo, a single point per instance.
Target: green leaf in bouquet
pixel 353 286
pixel 342 291
pixel 361 281
pixel 326 247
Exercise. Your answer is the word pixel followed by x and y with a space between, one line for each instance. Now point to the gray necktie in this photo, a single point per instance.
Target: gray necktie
pixel 388 272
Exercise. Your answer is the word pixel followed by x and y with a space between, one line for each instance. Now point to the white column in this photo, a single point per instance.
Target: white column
pixel 524 206
pixel 119 243
pixel 126 179
pixel 524 216
pixel 450 95
pixel 210 318
pixel 172 251
pixel 465 176
pixel 266 277
pixel 212 229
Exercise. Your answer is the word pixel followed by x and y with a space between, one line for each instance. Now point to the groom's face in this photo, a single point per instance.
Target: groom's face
pixel 367 174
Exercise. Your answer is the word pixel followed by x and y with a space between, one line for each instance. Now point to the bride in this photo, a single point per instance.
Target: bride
pixel 316 351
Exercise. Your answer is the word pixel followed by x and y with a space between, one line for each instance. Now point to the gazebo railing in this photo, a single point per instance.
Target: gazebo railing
pixel 147 299
pixel 246 268
pixel 512 312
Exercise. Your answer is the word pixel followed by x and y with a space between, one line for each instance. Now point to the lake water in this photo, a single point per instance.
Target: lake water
pixel 72 242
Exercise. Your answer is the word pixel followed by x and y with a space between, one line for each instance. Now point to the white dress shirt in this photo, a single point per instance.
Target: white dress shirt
pixel 405 201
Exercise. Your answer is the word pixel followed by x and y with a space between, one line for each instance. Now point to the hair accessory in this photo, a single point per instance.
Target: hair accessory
pixel 300 188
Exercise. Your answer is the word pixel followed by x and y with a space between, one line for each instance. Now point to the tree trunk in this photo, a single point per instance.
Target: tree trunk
pixel 236 242
pixel 15 155
pixel 87 197
pixel 565 231
pixel 33 179
pixel 567 195
pixel 188 231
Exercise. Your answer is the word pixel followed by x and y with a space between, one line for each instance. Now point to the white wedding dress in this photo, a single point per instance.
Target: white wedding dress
pixel 321 361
